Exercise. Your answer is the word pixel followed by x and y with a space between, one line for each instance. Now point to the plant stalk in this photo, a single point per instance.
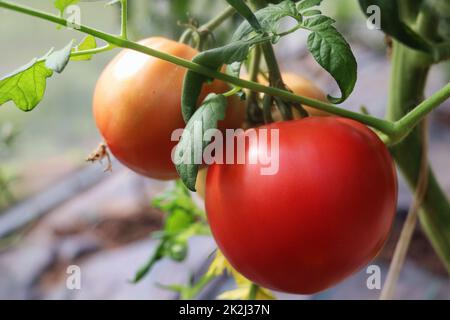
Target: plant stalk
pixel 408 80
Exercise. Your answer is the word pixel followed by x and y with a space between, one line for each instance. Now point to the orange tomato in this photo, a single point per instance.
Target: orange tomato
pixel 137 106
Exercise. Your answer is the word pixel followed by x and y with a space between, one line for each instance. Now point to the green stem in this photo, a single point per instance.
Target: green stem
pixel 199 286
pixel 232 92
pixel 253 291
pixel 217 21
pixel 254 115
pixel 408 80
pixel 275 79
pixel 386 127
pixel 124 19
pixel 92 51
pixel 211 25
pixel 415 116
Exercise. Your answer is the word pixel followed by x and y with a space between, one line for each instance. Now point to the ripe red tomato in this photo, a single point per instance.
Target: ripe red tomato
pixel 137 106
pixel 325 214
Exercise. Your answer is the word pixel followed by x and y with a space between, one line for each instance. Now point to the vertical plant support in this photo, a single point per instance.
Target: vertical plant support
pixel 408 80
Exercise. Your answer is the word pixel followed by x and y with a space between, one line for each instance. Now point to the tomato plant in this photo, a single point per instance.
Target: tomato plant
pixel 328 209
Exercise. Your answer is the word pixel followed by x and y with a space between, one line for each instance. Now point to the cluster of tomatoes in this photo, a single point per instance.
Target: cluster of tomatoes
pixel 325 214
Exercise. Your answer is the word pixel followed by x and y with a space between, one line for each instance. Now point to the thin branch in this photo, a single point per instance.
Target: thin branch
pixel 407 232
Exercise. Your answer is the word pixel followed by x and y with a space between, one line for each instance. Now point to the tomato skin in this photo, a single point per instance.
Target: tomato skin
pixel 324 215
pixel 137 106
pixel 303 87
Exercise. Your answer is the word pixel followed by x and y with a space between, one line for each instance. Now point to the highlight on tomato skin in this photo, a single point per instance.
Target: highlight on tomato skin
pixel 137 107
pixel 323 216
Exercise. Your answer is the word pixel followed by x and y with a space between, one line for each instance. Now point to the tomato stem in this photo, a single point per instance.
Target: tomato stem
pixel 254 115
pixel 253 291
pixel 407 107
pixel 232 92
pixel 210 26
pixel 124 19
pixel 105 48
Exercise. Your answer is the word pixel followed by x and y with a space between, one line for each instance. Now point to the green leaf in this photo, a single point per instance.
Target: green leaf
pixel 246 13
pixel 88 43
pixel 269 18
pixel 319 23
pixel 61 5
pixel 58 60
pixel 307 4
pixel 157 255
pixel 190 148
pixel 334 54
pixel 177 221
pixel 25 86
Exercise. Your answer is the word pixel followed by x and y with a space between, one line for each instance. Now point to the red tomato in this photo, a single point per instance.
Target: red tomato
pixel 137 106
pixel 324 215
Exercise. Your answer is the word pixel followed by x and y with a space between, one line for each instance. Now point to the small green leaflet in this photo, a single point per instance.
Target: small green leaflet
pixel 307 4
pixel 58 60
pixel 333 53
pixel 325 43
pixel 184 220
pixel 61 5
pixel 270 19
pixel 26 86
pixel 87 43
pixel 189 151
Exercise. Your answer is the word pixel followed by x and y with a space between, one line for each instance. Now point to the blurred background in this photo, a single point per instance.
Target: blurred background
pixel 56 210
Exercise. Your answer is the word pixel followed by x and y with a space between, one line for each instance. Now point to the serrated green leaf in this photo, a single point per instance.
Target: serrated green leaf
pixel 88 43
pixel 334 54
pixel 26 86
pixel 307 4
pixel 61 5
pixel 192 144
pixel 58 60
pixel 319 23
